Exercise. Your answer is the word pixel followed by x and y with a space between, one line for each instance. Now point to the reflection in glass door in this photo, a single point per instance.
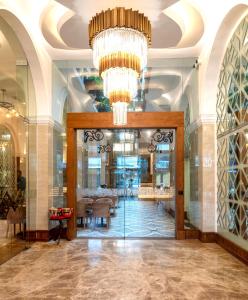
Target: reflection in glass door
pixel 126 183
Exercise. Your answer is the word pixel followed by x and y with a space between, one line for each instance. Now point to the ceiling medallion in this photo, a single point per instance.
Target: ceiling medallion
pixel 120 38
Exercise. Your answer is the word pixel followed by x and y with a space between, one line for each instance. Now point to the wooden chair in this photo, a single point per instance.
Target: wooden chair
pixel 101 210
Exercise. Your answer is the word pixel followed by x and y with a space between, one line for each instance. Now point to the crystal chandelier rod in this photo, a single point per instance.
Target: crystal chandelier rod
pixel 119 39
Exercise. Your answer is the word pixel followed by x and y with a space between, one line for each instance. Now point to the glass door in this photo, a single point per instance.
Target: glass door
pixel 101 184
pixel 125 183
pixel 126 153
pixel 150 211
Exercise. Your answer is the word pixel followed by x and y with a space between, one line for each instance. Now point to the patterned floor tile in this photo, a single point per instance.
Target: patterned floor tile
pixel 135 218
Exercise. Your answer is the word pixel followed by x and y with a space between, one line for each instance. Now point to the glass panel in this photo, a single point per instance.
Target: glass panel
pixel 17 146
pixel 100 183
pixel 119 169
pixel 150 210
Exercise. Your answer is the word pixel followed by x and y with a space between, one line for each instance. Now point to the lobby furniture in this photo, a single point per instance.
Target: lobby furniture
pixel 82 213
pixel 101 210
pixel 16 217
pixel 60 215
pixel 156 193
pixel 93 196
pixel 110 200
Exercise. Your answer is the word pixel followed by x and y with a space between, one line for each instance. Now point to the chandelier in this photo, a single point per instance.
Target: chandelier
pixel 119 38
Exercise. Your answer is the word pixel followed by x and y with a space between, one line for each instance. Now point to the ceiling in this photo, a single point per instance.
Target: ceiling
pixel 182 30
pixel 175 23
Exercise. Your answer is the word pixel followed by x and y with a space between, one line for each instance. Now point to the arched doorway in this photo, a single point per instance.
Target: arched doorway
pixel 17 139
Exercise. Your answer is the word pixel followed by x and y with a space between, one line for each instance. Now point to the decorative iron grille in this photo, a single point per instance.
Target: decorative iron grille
pixel 7 161
pixel 104 148
pixel 232 139
pixel 93 135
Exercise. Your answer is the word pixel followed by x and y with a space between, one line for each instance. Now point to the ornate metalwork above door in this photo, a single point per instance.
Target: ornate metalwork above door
pixel 104 148
pixel 161 136
pixel 93 135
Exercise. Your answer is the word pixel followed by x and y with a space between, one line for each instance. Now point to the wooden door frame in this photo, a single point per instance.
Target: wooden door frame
pixel 135 120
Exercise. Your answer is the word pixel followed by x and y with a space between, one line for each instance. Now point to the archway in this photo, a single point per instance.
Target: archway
pixel 209 75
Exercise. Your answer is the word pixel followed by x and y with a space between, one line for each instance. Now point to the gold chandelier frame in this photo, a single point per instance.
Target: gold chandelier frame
pixel 122 18
pixel 121 60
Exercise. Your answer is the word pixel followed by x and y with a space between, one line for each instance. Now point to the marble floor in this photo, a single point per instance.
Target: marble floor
pixel 10 249
pixel 124 270
pixel 135 218
pixel 11 245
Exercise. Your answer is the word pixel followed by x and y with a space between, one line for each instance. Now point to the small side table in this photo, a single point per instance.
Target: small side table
pixel 61 226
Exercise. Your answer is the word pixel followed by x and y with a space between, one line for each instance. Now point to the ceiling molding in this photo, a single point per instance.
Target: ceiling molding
pixel 189 20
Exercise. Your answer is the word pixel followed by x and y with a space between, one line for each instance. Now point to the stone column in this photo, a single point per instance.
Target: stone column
pixel 40 179
pixel 203 167
pixel 31 191
pixel 44 173
pixel 58 180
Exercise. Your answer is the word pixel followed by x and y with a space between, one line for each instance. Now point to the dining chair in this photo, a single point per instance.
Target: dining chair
pixel 82 212
pixel 110 200
pixel 16 217
pixel 101 210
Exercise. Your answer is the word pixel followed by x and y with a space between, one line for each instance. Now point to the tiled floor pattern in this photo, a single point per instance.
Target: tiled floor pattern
pixel 124 270
pixel 135 218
